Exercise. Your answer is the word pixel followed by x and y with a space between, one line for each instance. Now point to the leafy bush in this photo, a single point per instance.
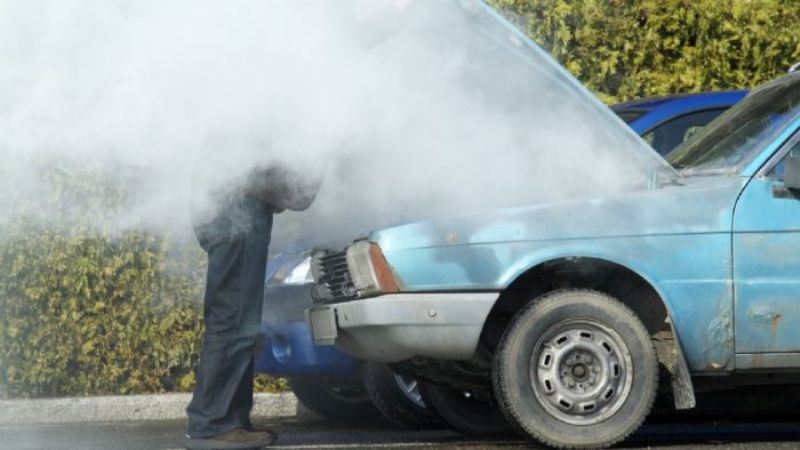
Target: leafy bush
pixel 624 49
pixel 88 309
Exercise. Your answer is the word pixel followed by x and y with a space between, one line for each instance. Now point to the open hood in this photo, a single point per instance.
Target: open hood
pixel 616 134
pixel 510 71
pixel 465 113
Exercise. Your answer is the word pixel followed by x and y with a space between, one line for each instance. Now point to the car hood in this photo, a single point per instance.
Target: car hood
pixel 615 134
pixel 697 205
pixel 529 75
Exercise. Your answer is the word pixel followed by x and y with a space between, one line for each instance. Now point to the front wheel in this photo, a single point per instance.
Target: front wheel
pixel 576 369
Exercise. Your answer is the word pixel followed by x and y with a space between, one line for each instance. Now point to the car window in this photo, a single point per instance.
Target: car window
pixel 738 135
pixel 777 172
pixel 666 136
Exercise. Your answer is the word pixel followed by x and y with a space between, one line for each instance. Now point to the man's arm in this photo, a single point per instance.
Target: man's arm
pixel 284 188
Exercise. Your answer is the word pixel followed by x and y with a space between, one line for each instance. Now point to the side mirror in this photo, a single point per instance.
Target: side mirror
pixel 791 169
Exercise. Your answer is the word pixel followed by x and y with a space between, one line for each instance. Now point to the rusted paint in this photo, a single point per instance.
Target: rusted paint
pixel 776 320
pixel 720 335
pixel 766 315
pixel 451 237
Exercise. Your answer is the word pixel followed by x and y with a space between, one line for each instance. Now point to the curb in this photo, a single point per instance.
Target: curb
pixel 128 408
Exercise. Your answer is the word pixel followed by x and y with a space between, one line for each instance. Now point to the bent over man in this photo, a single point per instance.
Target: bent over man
pixel 236 237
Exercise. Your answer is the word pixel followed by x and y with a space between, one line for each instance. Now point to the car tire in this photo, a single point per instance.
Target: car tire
pixel 334 399
pixel 576 369
pixel 398 398
pixel 464 413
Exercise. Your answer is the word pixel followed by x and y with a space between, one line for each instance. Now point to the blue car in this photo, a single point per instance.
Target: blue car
pixel 331 383
pixel 666 122
pixel 559 318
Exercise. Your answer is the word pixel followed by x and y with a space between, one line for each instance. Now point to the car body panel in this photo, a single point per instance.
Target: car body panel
pixel 766 249
pixel 459 254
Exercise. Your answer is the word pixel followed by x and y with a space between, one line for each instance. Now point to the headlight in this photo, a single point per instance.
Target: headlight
pixel 296 271
pixel 370 272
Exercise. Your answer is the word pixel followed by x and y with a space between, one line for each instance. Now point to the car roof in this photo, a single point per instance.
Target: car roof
pixel 724 98
pixel 656 110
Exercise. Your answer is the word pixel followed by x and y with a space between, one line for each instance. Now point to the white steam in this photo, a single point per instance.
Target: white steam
pixel 411 108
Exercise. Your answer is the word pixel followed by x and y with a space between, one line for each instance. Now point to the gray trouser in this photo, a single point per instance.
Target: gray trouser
pixel 236 242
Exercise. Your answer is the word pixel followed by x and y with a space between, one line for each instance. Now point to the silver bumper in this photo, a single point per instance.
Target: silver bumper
pixel 395 327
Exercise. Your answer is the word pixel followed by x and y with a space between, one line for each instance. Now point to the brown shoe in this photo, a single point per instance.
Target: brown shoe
pixel 237 439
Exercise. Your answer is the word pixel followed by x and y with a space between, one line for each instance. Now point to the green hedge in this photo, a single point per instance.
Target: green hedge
pixel 624 49
pixel 88 310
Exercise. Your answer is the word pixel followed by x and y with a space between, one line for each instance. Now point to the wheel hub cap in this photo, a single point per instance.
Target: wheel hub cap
pixel 581 371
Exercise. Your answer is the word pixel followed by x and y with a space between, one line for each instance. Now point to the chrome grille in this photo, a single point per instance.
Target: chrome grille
pixel 332 277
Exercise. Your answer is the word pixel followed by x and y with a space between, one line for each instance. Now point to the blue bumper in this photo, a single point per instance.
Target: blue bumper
pixel 288 350
pixel 286 346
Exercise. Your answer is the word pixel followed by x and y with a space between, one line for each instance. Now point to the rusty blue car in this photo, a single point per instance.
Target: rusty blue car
pixel 558 318
pixel 562 325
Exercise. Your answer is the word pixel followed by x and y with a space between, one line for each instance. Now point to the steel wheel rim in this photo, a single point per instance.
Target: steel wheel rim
pixel 581 371
pixel 410 389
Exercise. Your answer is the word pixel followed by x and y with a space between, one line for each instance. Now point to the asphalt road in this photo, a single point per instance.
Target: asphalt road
pixel 310 434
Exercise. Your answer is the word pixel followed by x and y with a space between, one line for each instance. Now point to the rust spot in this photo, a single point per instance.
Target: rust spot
pixel 451 237
pixel 714 366
pixel 776 320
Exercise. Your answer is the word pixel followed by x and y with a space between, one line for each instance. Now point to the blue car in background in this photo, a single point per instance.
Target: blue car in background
pixel 666 122
pixel 337 386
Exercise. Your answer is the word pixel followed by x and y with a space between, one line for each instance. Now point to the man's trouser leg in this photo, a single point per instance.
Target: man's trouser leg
pixel 236 242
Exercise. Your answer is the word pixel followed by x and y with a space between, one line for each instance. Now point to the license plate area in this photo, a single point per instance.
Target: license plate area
pixel 323 325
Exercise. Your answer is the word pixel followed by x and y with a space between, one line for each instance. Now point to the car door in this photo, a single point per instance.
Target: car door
pixel 766 254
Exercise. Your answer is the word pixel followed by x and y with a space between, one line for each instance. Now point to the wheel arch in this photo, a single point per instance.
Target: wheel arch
pixel 602 274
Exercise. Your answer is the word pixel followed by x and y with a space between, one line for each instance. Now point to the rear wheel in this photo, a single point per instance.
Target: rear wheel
pixel 576 369
pixel 334 399
pixel 465 412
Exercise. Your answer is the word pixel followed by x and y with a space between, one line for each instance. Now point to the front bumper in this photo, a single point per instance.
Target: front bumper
pixel 396 327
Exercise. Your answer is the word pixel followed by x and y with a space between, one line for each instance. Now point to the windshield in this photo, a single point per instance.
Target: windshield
pixel 738 135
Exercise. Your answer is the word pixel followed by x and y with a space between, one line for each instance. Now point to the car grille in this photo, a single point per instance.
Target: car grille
pixel 333 282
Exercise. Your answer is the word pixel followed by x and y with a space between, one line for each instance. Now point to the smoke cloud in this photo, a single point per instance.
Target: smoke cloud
pixel 409 108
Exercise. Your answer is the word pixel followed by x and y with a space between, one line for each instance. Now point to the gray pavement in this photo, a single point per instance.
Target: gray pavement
pixel 115 408
pixel 316 434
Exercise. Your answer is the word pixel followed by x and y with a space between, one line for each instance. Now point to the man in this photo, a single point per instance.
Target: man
pixel 236 237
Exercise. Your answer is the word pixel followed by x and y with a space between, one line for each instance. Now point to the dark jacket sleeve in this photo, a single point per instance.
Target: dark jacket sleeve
pixel 284 188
